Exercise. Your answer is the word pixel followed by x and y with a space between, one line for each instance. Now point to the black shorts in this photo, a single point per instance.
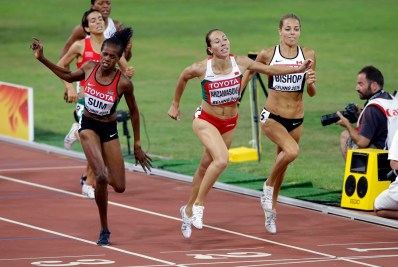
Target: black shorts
pixel 289 124
pixel 106 131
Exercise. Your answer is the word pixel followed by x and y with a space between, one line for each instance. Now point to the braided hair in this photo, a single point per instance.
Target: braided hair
pixel 120 38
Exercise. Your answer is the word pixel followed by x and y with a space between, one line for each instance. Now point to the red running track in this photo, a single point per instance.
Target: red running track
pixel 45 221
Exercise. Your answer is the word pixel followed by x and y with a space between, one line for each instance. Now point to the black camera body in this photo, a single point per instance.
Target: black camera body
pixel 252 55
pixel 351 113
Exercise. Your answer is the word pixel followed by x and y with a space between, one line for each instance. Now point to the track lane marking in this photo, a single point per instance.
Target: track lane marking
pixel 44 168
pixel 372 249
pixel 54 257
pixel 88 242
pixel 357 243
pixel 328 256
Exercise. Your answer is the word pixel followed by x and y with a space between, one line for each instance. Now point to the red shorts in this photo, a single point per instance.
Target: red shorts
pixel 222 126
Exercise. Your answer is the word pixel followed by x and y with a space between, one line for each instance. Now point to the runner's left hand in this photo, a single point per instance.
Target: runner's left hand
pixel 144 160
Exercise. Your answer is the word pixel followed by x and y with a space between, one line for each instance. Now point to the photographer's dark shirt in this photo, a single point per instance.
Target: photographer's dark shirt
pixel 374 124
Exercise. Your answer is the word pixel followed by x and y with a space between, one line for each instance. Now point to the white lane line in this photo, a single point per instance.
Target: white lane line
pixel 87 241
pixel 43 168
pixel 350 244
pixel 372 249
pixel 54 257
pixel 178 219
pixel 252 263
pixel 41 186
pixel 211 250
pixel 374 256
pixel 307 261
pixel 263 263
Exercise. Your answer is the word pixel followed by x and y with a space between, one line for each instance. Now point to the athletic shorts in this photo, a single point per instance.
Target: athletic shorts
pixel 79 110
pixel 222 126
pixel 350 144
pixel 106 131
pixel 289 124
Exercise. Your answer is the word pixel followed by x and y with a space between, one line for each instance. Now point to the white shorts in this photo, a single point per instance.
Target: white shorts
pixel 79 111
pixel 384 201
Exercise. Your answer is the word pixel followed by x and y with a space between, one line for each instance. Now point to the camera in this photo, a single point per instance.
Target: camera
pixel 122 116
pixel 351 112
pixel 252 55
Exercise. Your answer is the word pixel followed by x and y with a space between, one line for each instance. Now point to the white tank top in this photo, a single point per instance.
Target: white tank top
pixel 110 29
pixel 288 82
pixel 222 89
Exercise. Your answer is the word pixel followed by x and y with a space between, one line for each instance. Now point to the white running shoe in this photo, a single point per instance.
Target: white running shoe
pixel 266 204
pixel 266 198
pixel 197 216
pixel 70 138
pixel 186 228
pixel 88 191
pixel 270 218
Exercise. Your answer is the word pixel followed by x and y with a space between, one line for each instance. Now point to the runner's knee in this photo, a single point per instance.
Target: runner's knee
pixel 291 154
pixel 119 188
pixel 221 163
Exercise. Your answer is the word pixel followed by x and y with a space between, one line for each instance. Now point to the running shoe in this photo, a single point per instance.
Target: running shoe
pixel 266 198
pixel 186 228
pixel 88 191
pixel 270 218
pixel 197 216
pixel 103 239
pixel 83 181
pixel 70 138
pixel 270 214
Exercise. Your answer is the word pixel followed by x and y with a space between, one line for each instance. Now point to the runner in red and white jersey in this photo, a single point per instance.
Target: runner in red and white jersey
pixel 215 120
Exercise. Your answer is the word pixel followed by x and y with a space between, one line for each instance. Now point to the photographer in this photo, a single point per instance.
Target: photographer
pixel 372 126
pixel 386 204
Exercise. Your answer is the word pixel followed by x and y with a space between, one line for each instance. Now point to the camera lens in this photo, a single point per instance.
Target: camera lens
pixel 329 119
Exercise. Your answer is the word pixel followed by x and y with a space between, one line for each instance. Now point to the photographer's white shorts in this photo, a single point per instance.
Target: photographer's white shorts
pixel 349 144
pixel 384 201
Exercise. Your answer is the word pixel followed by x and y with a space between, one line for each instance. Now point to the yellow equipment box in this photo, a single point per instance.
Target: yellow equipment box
pixel 240 154
pixel 365 177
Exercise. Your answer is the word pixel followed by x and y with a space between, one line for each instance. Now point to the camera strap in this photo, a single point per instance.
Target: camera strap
pixel 381 91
